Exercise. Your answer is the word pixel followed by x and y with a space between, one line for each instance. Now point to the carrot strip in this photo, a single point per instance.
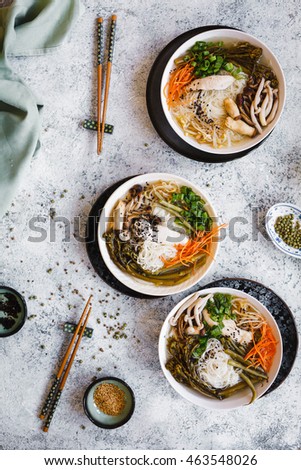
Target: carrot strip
pixel 180 78
pixel 263 351
pixel 200 244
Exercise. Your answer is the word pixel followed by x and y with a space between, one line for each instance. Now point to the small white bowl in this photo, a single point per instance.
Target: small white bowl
pixel 226 35
pixel 240 398
pixel 133 283
pixel 273 213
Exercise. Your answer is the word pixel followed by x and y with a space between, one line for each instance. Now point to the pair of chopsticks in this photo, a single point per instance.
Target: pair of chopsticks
pixel 101 119
pixel 62 375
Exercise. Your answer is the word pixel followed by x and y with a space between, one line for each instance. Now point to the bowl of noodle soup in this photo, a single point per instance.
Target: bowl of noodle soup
pixel 242 72
pixel 220 348
pixel 158 234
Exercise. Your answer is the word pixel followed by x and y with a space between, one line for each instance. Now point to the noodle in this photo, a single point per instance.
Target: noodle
pixel 202 115
pixel 150 256
pixel 213 366
pixel 161 190
pixel 248 316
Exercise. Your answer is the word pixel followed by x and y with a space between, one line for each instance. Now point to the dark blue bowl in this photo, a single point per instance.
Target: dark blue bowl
pixel 13 311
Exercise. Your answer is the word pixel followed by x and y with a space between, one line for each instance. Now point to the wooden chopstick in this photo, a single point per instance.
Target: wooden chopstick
pixel 66 373
pixel 55 384
pixel 99 75
pixel 108 79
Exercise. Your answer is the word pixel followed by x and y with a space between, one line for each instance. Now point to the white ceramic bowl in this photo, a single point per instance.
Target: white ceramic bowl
pixel 138 285
pixel 274 212
pixel 240 398
pixel 226 35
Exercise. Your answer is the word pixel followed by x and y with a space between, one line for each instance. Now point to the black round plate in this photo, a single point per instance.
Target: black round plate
pixel 282 314
pixel 93 248
pixel 155 109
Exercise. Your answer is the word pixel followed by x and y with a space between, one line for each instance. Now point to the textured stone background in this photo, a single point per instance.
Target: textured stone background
pixel 68 165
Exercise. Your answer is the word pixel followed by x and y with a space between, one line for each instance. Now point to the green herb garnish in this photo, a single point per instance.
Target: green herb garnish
pixel 202 348
pixel 220 307
pixel 209 58
pixel 214 332
pixel 193 211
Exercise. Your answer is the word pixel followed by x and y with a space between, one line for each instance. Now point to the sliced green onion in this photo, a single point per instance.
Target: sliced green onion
pixel 229 66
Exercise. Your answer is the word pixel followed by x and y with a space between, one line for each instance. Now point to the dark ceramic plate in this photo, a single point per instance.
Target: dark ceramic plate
pixel 93 247
pixel 282 314
pixel 156 113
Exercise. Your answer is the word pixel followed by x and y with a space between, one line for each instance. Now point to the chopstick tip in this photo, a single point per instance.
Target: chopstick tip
pixel 99 20
pixel 42 416
pixel 114 17
pixel 45 429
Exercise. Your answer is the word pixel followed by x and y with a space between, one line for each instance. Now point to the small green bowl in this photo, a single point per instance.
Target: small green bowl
pixel 101 419
pixel 16 319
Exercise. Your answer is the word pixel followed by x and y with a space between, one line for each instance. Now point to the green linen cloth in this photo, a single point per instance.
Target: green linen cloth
pixel 27 27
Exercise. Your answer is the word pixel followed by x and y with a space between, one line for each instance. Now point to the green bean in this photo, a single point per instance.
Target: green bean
pixel 250 384
pixel 230 390
pixel 249 371
pixel 238 357
pixel 167 207
pixel 203 389
pixel 197 260
pixel 230 344
pixel 235 388
pixel 157 280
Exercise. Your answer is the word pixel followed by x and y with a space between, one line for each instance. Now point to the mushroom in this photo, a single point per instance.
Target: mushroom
pixel 197 307
pixel 130 205
pixel 194 306
pixel 213 82
pixel 173 321
pixel 136 190
pixel 124 235
pixel 118 215
pixel 246 107
pixel 193 330
pixel 208 319
pixel 258 93
pixel 254 120
pixel 262 114
pixel 239 100
pixel 245 117
pixel 271 100
pixel 273 112
pixel 232 108
pixel 240 127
